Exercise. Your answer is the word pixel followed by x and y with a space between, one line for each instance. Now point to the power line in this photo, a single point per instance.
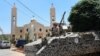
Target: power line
pixel 31 11
pixel 18 9
pixel 26 8
pixel 8 2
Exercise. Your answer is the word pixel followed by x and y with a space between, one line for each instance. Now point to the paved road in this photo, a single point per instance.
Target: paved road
pixel 8 52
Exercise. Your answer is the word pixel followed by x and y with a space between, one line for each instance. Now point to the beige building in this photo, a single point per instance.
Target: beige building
pixel 38 29
pixel 33 30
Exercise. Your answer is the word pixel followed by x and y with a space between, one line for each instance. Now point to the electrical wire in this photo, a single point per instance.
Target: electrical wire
pixel 8 2
pixel 31 11
pixel 18 9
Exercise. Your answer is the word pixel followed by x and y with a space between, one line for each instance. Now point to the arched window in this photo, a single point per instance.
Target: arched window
pixel 27 29
pixel 40 29
pixel 46 30
pixel 13 35
pixel 20 30
pixel 20 36
pixel 40 37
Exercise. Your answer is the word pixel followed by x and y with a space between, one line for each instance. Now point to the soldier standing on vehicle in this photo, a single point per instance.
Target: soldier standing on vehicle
pixel 55 30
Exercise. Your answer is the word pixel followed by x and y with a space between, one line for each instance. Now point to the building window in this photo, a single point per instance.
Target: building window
pixel 40 29
pixel 13 35
pixel 20 30
pixel 46 30
pixel 20 36
pixel 40 37
pixel 27 29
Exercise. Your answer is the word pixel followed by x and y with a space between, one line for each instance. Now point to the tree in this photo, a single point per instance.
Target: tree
pixel 85 16
pixel 27 37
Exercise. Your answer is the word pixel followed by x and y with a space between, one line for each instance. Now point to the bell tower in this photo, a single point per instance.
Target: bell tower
pixel 13 21
pixel 52 15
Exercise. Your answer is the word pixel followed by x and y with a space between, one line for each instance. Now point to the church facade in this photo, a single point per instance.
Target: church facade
pixel 33 30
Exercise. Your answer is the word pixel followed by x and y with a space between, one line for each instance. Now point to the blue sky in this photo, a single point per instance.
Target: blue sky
pixel 40 7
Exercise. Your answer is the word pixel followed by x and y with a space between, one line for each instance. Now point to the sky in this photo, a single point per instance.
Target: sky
pixel 40 12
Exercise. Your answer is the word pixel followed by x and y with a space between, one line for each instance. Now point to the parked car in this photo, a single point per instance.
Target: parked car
pixel 20 43
pixel 5 44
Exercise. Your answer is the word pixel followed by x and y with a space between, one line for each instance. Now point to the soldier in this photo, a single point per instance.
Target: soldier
pixel 44 41
pixel 55 30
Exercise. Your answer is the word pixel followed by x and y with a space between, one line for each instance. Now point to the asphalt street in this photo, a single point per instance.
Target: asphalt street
pixel 9 52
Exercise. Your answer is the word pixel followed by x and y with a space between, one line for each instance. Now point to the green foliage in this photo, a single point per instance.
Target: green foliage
pixel 27 38
pixel 85 16
pixel 3 37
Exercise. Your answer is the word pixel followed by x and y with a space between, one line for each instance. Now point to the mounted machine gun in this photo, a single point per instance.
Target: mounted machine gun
pixel 58 29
